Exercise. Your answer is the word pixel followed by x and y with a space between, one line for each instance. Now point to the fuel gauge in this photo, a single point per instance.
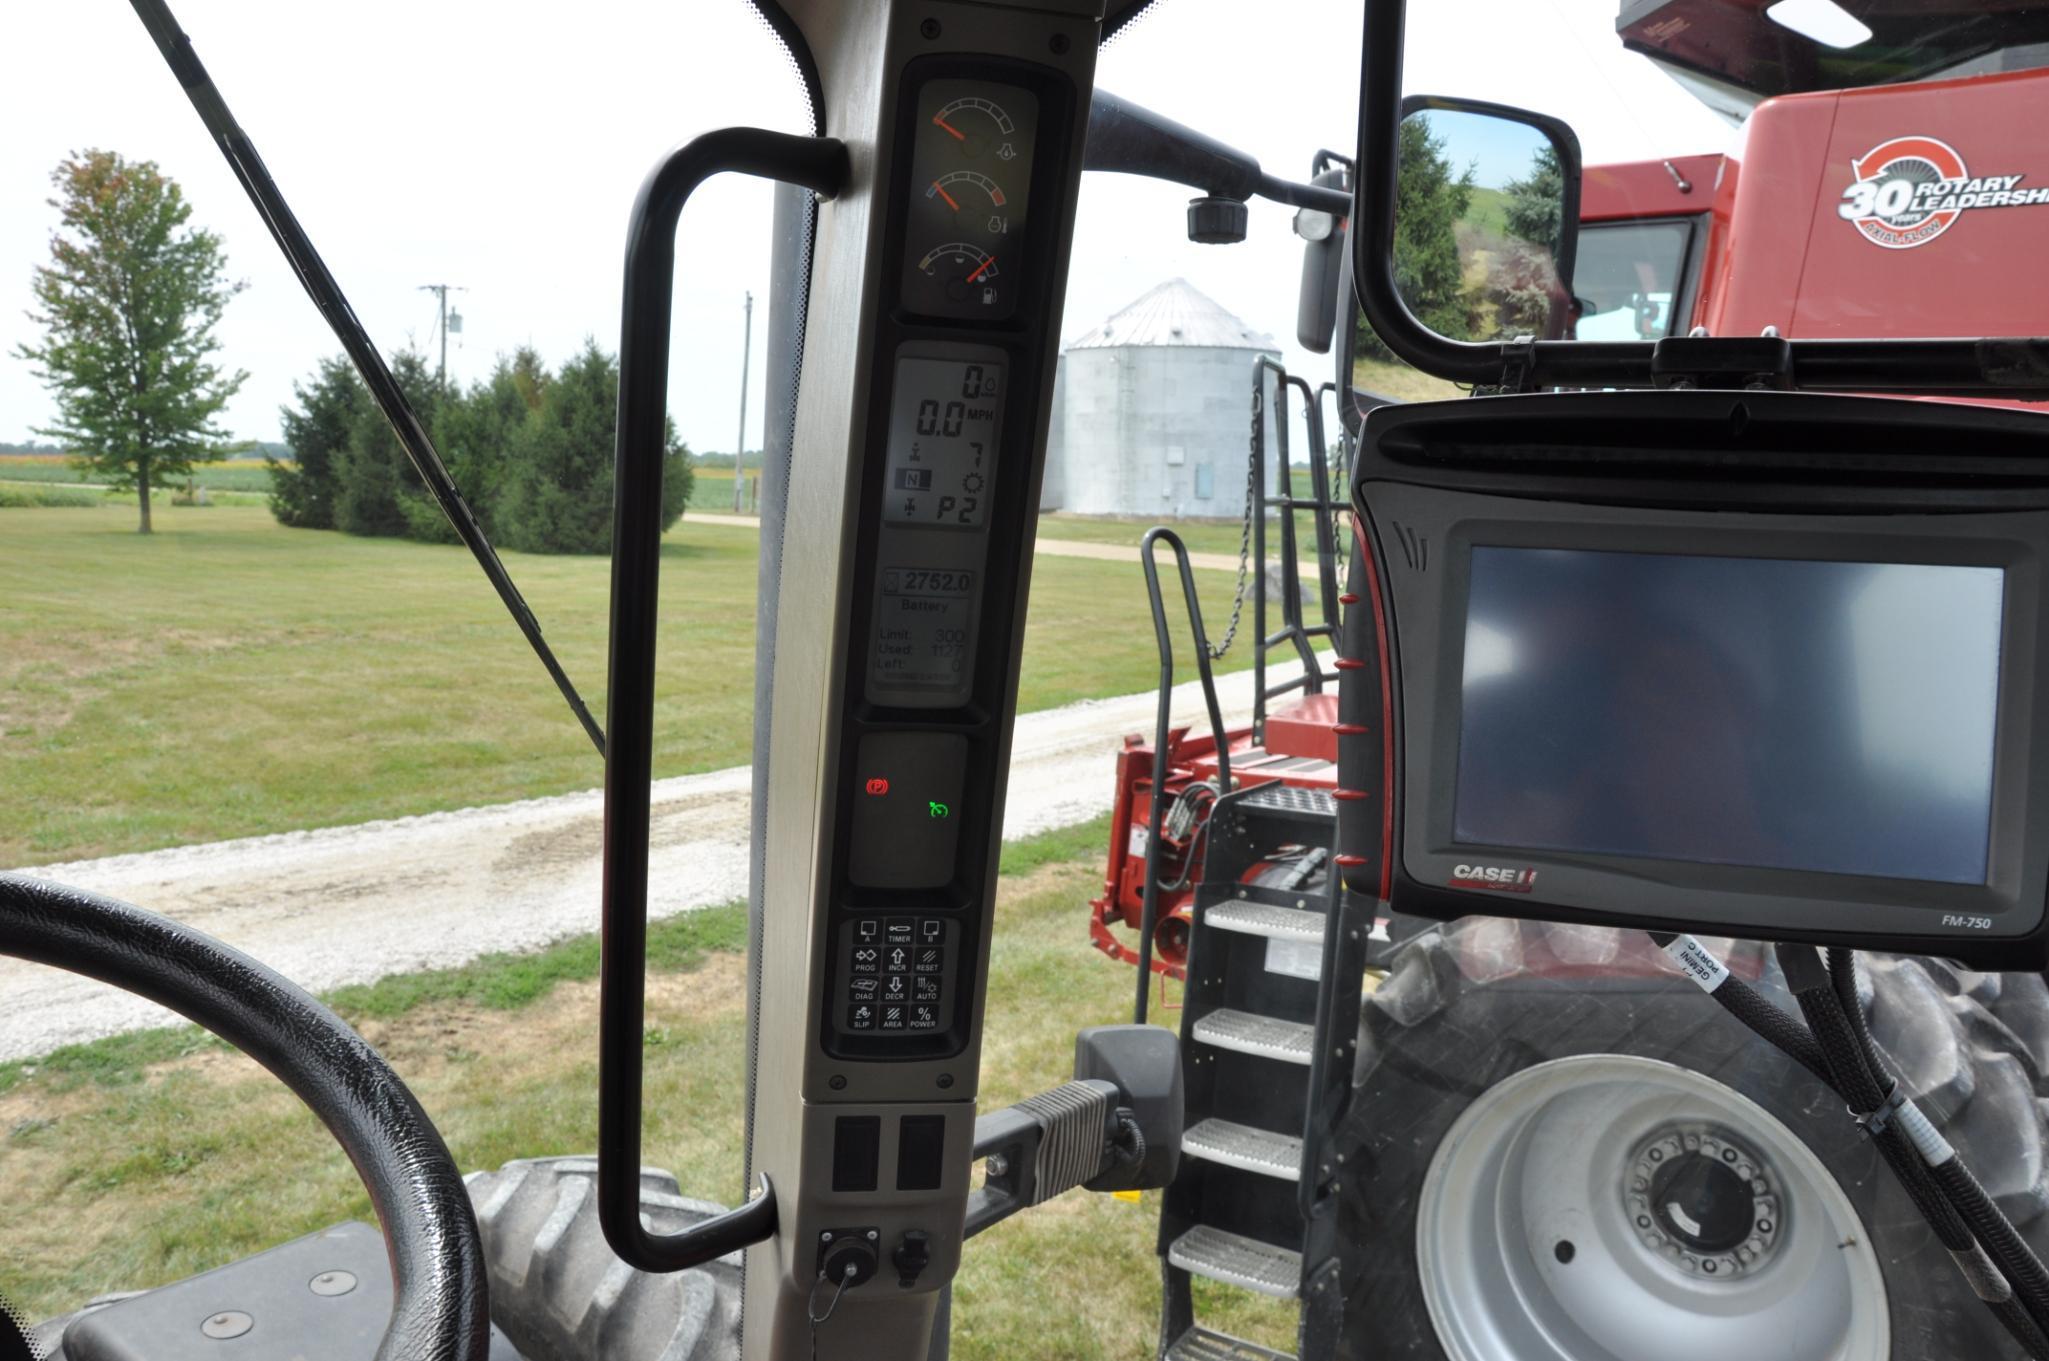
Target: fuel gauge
pixel 966 273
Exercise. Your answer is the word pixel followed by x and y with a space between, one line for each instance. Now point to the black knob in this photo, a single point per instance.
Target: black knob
pixel 1217 221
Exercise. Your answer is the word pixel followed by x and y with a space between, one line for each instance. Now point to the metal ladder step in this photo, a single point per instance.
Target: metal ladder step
pixel 1237 1260
pixel 1264 919
pixel 1267 1036
pixel 1311 805
pixel 1236 1145
pixel 1200 1344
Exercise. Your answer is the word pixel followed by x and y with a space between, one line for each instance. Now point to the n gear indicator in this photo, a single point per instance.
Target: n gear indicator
pixel 906 821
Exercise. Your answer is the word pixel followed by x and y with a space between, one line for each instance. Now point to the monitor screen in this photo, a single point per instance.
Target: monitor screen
pixel 1772 713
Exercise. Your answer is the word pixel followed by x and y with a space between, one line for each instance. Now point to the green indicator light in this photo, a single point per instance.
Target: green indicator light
pixel 938 810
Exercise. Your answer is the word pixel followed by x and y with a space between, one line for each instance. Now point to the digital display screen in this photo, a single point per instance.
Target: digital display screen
pixel 1773 713
pixel 924 629
pixel 942 443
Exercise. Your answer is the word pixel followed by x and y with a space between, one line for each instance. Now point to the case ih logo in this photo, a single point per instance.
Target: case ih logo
pixel 1909 190
pixel 1497 877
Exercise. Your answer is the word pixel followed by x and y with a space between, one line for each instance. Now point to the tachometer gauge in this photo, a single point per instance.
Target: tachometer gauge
pixel 967 273
pixel 979 125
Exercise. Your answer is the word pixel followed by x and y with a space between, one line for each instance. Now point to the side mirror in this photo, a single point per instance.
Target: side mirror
pixel 1323 259
pixel 1486 219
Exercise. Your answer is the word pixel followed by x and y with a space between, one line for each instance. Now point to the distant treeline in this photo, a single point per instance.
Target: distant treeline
pixel 530 450
pixel 251 449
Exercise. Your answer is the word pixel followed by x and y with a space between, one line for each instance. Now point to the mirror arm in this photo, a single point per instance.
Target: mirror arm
pixel 1128 139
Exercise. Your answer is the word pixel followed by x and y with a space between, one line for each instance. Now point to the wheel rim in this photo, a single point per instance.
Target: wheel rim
pixel 1608 1207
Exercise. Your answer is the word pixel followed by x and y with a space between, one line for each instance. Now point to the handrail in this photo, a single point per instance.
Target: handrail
pixel 1294 629
pixel 820 165
pixel 1148 922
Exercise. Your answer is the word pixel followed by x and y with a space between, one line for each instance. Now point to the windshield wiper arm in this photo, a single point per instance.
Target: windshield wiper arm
pixel 320 286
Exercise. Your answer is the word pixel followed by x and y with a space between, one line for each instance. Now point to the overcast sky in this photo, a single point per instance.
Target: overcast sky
pixel 498 146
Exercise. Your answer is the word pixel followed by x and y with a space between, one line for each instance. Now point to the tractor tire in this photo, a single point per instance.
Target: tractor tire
pixel 1547 1162
pixel 558 1292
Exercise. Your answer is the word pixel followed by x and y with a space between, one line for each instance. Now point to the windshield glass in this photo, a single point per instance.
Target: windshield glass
pixel 1629 278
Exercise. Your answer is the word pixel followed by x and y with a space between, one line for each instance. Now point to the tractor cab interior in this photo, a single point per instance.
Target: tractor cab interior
pixel 1493 664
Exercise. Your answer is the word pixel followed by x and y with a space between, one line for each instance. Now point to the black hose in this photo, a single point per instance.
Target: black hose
pixel 1839 1053
pixel 2022 1267
pixel 1863 1080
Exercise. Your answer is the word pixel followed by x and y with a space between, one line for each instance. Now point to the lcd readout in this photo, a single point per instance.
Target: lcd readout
pixel 1772 713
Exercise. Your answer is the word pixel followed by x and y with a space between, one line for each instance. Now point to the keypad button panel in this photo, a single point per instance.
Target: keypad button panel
pixel 895 974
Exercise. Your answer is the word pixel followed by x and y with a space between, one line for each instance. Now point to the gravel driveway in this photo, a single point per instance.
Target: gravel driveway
pixel 352 904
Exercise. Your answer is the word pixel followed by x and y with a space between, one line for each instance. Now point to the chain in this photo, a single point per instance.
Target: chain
pixel 1340 497
pixel 1217 650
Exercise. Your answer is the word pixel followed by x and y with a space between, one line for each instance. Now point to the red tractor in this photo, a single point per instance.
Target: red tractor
pixel 1664 247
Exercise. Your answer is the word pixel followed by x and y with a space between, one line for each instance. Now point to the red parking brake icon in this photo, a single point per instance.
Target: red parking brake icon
pixel 878 785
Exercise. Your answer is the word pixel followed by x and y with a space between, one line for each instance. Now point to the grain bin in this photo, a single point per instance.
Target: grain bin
pixel 1151 411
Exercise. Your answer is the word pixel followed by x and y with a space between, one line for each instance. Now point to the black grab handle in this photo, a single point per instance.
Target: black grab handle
pixel 1149 913
pixel 820 165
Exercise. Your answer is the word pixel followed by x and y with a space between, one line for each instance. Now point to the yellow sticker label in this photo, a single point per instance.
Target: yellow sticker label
pixel 1128 1197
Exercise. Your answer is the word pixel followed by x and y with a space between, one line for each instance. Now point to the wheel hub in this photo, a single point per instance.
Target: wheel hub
pixel 1610 1207
pixel 1702 1199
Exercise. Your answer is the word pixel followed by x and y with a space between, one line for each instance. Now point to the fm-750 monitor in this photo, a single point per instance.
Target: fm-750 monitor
pixel 1756 664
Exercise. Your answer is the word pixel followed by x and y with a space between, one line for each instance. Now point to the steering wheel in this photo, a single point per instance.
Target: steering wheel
pixel 441 1307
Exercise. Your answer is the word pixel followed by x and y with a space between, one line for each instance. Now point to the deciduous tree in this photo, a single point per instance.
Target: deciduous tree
pixel 129 303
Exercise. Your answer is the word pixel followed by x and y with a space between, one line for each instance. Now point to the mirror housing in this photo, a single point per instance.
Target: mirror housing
pixel 1323 260
pixel 1486 219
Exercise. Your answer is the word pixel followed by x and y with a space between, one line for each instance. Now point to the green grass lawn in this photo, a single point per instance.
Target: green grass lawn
pixel 712 489
pixel 134 1162
pixel 1395 379
pixel 1201 536
pixel 228 677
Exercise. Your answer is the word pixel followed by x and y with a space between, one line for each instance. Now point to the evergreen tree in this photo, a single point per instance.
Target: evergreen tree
pixel 371 471
pixel 474 433
pixel 556 492
pixel 130 300
pixel 317 431
pixel 1534 208
pixel 1430 203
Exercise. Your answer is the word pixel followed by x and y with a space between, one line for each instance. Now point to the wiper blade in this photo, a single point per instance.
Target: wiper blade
pixel 320 286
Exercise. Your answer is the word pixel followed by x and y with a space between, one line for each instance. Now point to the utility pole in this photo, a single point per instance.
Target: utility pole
pixel 441 292
pixel 740 447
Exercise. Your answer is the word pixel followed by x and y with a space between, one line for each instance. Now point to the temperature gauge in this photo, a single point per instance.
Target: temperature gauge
pixel 971 169
pixel 977 202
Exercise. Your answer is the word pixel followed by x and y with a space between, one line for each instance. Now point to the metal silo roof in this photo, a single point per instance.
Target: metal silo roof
pixel 1175 313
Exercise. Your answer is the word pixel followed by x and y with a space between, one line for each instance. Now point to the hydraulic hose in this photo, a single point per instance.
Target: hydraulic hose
pixel 2019 1262
pixel 1999 1266
pixel 1831 1048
